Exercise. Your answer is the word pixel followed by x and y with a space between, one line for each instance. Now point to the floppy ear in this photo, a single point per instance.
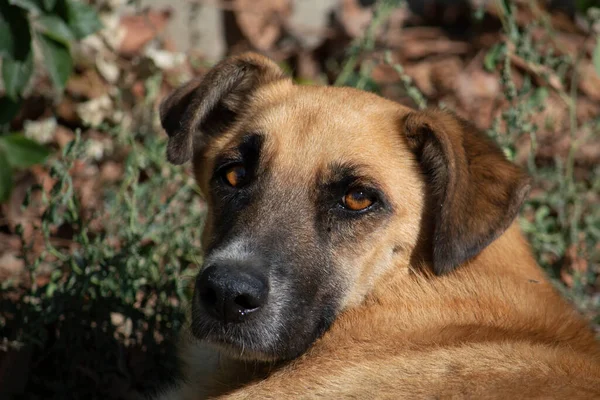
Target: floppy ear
pixel 475 191
pixel 207 106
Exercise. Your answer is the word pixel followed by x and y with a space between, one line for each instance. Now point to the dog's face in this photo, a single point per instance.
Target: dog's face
pixel 315 193
pixel 316 206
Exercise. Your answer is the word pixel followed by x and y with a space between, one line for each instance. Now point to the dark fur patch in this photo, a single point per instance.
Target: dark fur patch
pixel 229 202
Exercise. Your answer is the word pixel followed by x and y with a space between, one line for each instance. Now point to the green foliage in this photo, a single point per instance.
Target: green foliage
pixel 16 49
pixel 132 269
pixel 17 151
pixel 59 62
pixel 6 179
pixel 54 24
pixel 81 18
pixel 22 152
pixel 563 221
pixel 366 43
pixel 8 108
pixel 407 82
pixel 585 5
pixel 596 56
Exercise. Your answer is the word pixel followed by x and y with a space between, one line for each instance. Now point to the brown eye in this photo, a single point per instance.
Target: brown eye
pixel 235 175
pixel 358 200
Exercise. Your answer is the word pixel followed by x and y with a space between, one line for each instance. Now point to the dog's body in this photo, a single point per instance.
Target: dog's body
pixel 356 248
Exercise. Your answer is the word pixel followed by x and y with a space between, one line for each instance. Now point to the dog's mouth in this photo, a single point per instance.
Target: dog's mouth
pixel 273 334
pixel 247 340
pixel 233 308
pixel 258 309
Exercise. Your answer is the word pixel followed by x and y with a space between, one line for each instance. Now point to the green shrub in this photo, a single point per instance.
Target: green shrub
pixel 53 25
pixel 120 291
pixel 17 151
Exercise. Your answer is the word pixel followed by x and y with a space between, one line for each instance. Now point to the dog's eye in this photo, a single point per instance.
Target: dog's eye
pixel 235 175
pixel 358 200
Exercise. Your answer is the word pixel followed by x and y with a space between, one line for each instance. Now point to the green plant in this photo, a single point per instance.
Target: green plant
pixel 562 222
pixel 109 290
pixel 17 151
pixel 364 44
pixel 53 25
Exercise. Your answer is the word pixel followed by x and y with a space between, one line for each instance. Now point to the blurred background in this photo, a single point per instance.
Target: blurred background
pixel 99 236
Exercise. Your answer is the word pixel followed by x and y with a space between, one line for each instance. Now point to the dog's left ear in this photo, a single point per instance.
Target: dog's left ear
pixel 207 106
pixel 476 192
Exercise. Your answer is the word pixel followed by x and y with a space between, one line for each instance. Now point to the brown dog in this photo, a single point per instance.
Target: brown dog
pixel 356 248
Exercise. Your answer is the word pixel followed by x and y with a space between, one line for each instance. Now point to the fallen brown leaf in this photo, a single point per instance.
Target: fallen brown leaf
pixel 420 42
pixel 588 80
pixel 66 110
pixel 111 171
pixel 477 91
pixel 142 28
pixel 353 18
pixel 11 267
pixel 261 21
pixel 436 76
pixel 63 136
pixel 88 85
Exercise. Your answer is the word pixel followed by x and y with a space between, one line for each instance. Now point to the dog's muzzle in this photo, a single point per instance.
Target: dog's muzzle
pixel 233 291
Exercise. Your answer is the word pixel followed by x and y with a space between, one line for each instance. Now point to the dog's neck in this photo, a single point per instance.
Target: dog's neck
pixel 417 310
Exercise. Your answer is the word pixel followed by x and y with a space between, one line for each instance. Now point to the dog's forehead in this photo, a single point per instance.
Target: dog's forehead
pixel 308 127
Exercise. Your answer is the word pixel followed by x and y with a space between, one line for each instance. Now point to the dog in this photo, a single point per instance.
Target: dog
pixel 356 248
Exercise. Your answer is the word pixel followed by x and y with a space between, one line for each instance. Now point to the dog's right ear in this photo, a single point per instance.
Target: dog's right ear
pixel 207 106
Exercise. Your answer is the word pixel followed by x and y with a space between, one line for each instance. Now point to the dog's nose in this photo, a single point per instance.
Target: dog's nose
pixel 232 293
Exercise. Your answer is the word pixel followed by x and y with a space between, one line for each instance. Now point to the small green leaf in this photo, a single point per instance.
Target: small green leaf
pixel 57 59
pixel 55 28
pixel 29 5
pixel 56 275
pixel 15 36
pixel 6 37
pixel 493 56
pixel 596 56
pixel 49 4
pixel 506 7
pixel 6 181
pixel 16 74
pixel 82 18
pixel 17 65
pixel 8 109
pixel 22 152
pixel 538 97
pixel 583 5
pixel 51 288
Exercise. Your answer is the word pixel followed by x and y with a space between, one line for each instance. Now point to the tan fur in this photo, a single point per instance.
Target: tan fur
pixel 492 328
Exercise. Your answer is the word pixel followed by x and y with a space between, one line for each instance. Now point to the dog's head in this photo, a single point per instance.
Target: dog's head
pixel 315 193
